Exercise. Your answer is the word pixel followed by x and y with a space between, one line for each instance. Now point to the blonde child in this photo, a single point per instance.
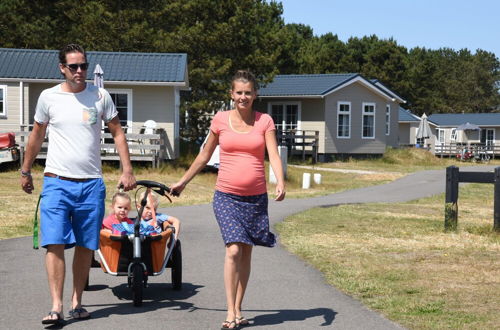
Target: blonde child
pixel 159 221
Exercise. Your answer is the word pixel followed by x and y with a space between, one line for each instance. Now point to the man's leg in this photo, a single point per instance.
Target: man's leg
pixel 81 268
pixel 54 263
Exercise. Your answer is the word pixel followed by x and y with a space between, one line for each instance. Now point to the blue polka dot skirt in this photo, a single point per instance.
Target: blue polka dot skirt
pixel 243 219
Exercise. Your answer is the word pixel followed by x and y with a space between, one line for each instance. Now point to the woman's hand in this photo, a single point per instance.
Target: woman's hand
pixel 177 188
pixel 280 192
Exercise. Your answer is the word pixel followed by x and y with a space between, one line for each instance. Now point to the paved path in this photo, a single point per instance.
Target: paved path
pixel 325 169
pixel 284 292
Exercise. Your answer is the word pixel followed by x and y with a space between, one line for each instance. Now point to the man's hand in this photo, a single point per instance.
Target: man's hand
pixel 27 183
pixel 127 181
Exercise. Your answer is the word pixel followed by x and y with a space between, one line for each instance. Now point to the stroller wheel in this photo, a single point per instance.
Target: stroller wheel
pixel 176 264
pixel 137 284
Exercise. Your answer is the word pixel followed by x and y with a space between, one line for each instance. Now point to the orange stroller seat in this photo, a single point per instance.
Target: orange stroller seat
pixel 117 250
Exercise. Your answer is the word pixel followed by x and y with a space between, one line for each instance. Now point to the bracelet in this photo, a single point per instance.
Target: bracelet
pixel 25 174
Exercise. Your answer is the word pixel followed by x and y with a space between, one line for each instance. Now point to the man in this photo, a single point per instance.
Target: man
pixel 72 206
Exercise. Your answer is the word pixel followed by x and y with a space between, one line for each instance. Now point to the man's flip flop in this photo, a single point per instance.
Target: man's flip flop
pixel 76 314
pixel 51 320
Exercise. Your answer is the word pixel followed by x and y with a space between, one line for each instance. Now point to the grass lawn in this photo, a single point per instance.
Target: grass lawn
pixel 397 259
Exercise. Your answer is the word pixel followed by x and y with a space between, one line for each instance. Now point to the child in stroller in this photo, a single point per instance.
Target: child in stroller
pixel 159 221
pixel 120 206
pixel 144 252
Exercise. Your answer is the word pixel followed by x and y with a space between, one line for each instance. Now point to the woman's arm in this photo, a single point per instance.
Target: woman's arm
pixel 198 164
pixel 275 160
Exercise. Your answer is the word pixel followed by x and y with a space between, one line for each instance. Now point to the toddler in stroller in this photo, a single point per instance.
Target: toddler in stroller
pixel 137 248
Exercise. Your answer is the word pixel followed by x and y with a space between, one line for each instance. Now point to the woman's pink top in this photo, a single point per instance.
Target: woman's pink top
pixel 110 220
pixel 241 170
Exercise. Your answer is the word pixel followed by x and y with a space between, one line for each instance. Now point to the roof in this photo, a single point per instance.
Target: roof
pixel 33 64
pixel 316 85
pixel 456 119
pixel 407 116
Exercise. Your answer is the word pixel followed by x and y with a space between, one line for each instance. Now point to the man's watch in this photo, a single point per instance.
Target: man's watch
pixel 25 174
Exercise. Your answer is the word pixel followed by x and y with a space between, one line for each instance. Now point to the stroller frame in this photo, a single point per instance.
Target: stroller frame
pixel 137 271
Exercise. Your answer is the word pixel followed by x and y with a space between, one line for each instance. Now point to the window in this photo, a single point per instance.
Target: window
pixel 123 102
pixel 3 100
pixel 487 136
pixel 453 136
pixel 344 120
pixel 387 119
pixel 368 121
pixel 440 137
pixel 286 116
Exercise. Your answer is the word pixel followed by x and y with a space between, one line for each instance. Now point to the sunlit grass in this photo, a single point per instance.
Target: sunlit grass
pixel 396 258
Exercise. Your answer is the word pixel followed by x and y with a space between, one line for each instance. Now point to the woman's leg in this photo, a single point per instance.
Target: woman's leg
pixel 244 275
pixel 232 263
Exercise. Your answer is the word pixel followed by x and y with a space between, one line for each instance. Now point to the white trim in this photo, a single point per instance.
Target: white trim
pixel 21 103
pixel 291 96
pixel 284 104
pixel 486 137
pixel 177 103
pixel 453 134
pixel 130 104
pixel 339 103
pixel 387 120
pixel 380 85
pixel 5 110
pixel 364 82
pixel 440 132
pixel 148 83
pixel 360 79
pixel 363 114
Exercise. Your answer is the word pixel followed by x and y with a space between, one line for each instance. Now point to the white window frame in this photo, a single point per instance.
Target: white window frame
pixel 486 140
pixel 440 138
pixel 130 106
pixel 363 114
pixel 284 104
pixel 3 89
pixel 453 136
pixel 348 113
pixel 387 119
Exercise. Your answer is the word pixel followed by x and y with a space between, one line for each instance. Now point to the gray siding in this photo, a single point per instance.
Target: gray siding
pixel 357 94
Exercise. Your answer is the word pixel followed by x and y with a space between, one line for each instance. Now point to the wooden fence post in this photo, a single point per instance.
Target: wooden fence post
pixel 496 207
pixel 451 201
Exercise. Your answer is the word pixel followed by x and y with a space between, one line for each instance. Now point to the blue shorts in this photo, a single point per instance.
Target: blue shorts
pixel 71 213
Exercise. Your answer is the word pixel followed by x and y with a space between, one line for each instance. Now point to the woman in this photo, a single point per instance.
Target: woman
pixel 240 199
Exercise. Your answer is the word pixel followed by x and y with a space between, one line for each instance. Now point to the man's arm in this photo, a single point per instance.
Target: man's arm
pixel 35 141
pixel 127 178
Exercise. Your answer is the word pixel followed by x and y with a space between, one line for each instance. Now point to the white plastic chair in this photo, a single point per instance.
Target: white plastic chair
pixel 149 127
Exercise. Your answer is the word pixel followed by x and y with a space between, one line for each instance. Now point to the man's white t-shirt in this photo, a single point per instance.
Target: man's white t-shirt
pixel 74 129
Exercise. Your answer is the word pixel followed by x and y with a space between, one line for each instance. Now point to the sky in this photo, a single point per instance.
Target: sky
pixel 433 24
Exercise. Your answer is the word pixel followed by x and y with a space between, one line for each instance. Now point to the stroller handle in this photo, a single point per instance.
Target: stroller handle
pixel 153 184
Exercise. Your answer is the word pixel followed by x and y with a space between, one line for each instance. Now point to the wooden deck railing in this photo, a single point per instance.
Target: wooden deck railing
pixel 300 142
pixel 454 149
pixel 142 147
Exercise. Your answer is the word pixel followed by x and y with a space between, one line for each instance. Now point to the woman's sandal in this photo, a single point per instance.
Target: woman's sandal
pixel 241 321
pixel 50 320
pixel 229 325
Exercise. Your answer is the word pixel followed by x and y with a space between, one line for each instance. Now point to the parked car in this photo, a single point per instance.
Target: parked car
pixel 214 161
pixel 8 148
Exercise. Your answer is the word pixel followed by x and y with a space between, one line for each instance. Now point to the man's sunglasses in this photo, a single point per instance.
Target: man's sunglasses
pixel 74 67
